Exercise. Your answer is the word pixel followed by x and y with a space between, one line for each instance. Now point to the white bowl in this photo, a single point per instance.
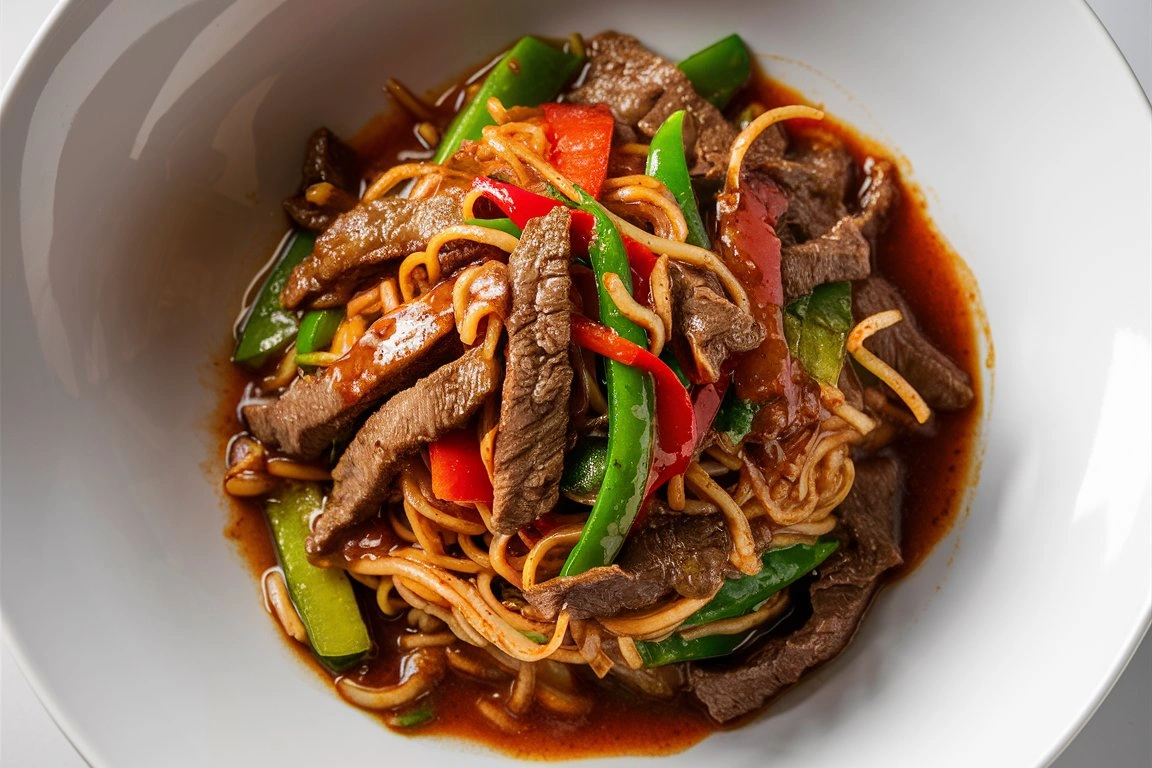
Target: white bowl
pixel 145 150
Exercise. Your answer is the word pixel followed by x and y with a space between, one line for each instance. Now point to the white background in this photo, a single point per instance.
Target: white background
pixel 1118 736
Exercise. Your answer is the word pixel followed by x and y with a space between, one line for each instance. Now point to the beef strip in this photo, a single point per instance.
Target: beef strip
pixel 707 327
pixel 877 196
pixel 441 402
pixel 841 253
pixel 642 89
pixel 687 554
pixel 840 595
pixel 366 240
pixel 529 457
pixel 397 349
pixel 939 381
pixel 327 159
pixel 814 175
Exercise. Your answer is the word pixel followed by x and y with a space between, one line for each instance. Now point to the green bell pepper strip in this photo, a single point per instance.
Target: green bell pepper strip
pixel 719 70
pixel 504 225
pixel 317 329
pixel 585 466
pixel 735 417
pixel 737 597
pixel 323 596
pixel 269 328
pixel 747 593
pixel 631 405
pixel 675 648
pixel 414 718
pixel 666 164
pixel 531 73
pixel 817 327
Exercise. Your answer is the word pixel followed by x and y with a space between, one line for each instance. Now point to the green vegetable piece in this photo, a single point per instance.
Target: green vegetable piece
pixel 747 593
pixel 317 330
pixel 631 421
pixel 719 70
pixel 529 74
pixel 504 225
pixel 322 596
pixel 666 164
pixel 675 648
pixel 737 597
pixel 584 466
pixel 268 327
pixel 735 417
pixel 817 327
pixel 414 718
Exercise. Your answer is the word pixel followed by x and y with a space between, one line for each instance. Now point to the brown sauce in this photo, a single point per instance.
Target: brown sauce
pixel 940 291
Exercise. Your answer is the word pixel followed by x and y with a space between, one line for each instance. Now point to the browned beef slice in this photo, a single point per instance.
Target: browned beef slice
pixel 877 196
pixel 814 175
pixel 686 554
pixel 326 159
pixel 397 349
pixel 939 381
pixel 841 253
pixel 840 596
pixel 534 403
pixel 642 89
pixel 441 402
pixel 364 241
pixel 706 324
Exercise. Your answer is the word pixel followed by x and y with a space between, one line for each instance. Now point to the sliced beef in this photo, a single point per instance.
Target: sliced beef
pixel 877 196
pixel 530 444
pixel 672 553
pixel 441 402
pixel 706 325
pixel 642 89
pixel 814 175
pixel 327 159
pixel 841 253
pixel 397 349
pixel 366 240
pixel 939 381
pixel 840 595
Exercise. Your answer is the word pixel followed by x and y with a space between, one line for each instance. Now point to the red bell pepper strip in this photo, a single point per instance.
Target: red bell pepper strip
pixel 458 471
pixel 675 419
pixel 581 138
pixel 520 205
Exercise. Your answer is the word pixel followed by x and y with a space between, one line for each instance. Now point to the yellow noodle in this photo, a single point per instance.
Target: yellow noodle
pixel 660 286
pixel 677 227
pixel 403 532
pixel 881 369
pixel 775 606
pixel 498 716
pixel 427 665
pixel 655 623
pixel 384 596
pixel 320 193
pixel 632 148
pixel 280 605
pixel 464 599
pixel 743 554
pixel 628 650
pixel 523 690
pixel 676 499
pixel 636 312
pixel 296 470
pixel 409 642
pixel 458 564
pixel 688 254
pixel 498 554
pixel 285 371
pixel 568 535
pixel 727 460
pixel 398 173
pixel 517 620
pixel 469 201
pixel 408 100
pixel 414 494
pixel 475 553
pixel 347 334
pixel 247 484
pixel 747 136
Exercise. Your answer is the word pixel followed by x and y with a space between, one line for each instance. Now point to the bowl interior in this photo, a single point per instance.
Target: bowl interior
pixel 145 153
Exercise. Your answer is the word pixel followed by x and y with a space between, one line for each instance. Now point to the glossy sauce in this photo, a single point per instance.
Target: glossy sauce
pixel 937 286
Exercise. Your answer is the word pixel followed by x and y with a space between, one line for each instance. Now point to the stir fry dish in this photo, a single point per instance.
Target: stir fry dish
pixel 597 402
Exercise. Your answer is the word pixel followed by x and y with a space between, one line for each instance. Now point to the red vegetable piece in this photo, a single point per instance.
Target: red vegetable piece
pixel 581 137
pixel 458 471
pixel 675 419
